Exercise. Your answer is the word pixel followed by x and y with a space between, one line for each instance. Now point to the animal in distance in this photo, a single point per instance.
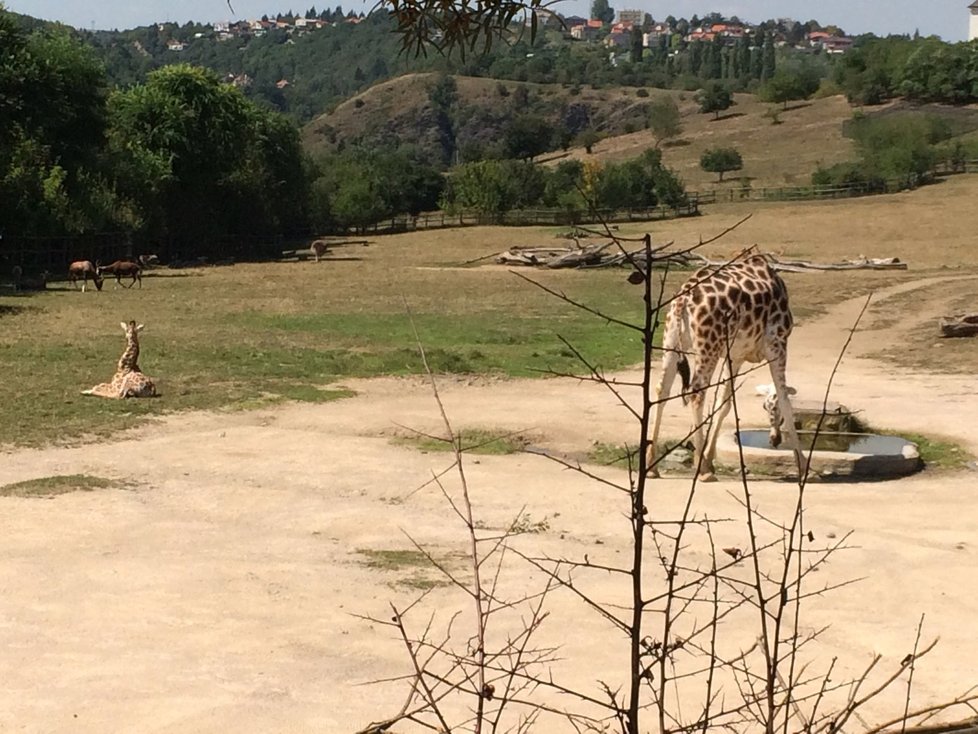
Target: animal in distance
pixel 120 269
pixel 319 248
pixel 128 381
pixel 728 314
pixel 83 269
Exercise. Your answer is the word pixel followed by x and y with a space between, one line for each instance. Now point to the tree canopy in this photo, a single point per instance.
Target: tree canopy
pixel 721 160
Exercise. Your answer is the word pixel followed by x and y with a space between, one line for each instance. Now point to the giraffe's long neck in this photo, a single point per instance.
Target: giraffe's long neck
pixel 128 360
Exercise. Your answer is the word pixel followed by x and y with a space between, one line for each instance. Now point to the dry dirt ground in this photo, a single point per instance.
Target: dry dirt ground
pixel 219 594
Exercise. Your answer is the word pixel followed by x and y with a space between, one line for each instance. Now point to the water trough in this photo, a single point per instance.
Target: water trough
pixel 838 453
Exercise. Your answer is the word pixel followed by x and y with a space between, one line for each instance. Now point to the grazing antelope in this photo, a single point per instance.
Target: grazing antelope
pixel 84 269
pixel 128 381
pixel 122 268
pixel 319 248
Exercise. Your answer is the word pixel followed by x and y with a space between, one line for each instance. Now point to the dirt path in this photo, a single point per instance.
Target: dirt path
pixel 218 595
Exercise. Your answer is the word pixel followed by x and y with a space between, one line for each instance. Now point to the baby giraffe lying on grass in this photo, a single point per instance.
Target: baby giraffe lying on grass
pixel 128 381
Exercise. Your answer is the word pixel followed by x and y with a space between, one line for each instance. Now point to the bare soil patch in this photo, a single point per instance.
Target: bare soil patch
pixel 219 596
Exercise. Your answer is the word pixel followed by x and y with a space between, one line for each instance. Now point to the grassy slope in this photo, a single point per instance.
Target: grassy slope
pixel 810 134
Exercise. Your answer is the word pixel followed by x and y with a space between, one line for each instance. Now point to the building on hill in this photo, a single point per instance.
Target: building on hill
pixel 633 17
pixel 973 23
pixel 830 43
pixel 584 32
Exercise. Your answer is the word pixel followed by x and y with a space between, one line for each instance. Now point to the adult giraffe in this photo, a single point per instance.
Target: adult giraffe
pixel 727 314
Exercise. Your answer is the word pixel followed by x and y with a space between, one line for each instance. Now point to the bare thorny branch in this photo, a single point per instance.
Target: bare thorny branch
pixel 780 692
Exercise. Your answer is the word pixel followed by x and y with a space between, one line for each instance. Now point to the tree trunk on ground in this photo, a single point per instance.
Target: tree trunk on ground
pixel 959 325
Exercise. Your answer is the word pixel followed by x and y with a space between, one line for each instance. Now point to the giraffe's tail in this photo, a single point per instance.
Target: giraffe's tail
pixel 686 345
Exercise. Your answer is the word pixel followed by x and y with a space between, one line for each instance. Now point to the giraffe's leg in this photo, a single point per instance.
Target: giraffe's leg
pixel 721 408
pixel 781 412
pixel 670 363
pixel 672 340
pixel 698 387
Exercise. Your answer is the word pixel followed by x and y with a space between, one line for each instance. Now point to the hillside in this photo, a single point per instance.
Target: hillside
pixel 774 155
pixel 399 111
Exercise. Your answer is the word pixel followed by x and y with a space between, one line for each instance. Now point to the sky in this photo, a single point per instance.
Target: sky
pixel 945 18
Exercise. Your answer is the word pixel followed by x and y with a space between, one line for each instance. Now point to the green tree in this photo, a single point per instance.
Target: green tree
pixel 588 137
pixel 768 64
pixel 493 187
pixel 721 160
pixel 602 11
pixel 527 136
pixel 201 161
pixel 899 147
pixel 715 97
pixel 790 82
pixel 636 45
pixel 52 127
pixel 664 120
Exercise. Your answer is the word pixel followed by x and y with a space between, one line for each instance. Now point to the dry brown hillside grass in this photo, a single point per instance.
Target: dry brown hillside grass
pixel 810 134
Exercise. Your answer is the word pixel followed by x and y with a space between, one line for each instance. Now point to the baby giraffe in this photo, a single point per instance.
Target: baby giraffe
pixel 128 381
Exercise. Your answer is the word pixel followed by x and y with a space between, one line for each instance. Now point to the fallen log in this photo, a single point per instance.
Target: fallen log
pixel 863 263
pixel 959 325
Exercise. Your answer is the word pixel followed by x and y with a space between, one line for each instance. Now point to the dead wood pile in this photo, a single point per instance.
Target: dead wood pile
pixel 959 325
pixel 610 254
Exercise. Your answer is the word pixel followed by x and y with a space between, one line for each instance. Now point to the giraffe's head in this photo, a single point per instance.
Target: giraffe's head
pixel 132 328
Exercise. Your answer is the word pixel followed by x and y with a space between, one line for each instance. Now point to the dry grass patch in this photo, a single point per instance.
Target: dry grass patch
pixel 412 568
pixel 487 441
pixel 47 487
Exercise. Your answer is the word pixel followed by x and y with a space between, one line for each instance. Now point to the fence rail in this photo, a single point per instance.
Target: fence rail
pixel 524 218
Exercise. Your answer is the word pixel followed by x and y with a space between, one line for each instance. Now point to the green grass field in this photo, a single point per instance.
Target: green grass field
pixel 252 335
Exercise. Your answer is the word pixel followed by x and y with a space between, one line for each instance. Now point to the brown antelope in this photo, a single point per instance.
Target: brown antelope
pixel 84 269
pixel 122 268
pixel 319 248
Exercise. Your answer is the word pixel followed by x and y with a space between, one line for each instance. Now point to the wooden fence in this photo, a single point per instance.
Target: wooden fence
pixel 35 254
pixel 829 191
pixel 524 218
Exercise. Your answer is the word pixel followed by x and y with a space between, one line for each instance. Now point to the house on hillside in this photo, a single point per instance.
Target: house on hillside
pixel 175 45
pixel 618 39
pixel 700 34
pixel 829 42
pixel 583 32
